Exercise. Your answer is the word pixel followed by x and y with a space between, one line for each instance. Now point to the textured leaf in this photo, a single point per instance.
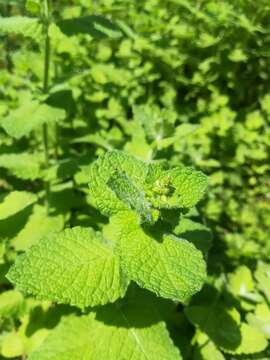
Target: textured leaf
pixel 206 349
pixel 74 267
pixel 31 115
pixel 176 188
pixel 26 26
pixel 169 266
pixel 128 330
pixel 15 202
pixel 130 194
pixel 38 226
pixel 100 172
pixel 24 166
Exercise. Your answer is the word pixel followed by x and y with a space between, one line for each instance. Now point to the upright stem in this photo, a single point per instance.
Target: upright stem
pixel 45 91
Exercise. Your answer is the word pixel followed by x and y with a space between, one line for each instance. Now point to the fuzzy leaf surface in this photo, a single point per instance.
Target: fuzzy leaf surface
pixel 74 267
pixel 169 266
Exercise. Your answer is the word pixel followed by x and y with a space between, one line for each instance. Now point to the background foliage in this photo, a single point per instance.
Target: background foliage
pixel 184 81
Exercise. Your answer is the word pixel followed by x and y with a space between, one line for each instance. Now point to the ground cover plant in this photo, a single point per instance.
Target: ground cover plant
pixel 134 179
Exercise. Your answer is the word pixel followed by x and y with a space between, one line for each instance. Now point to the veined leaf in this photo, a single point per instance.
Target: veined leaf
pixel 31 115
pixel 103 197
pixel 75 267
pixel 130 329
pixel 169 266
pixel 24 166
pixel 14 202
pixel 22 25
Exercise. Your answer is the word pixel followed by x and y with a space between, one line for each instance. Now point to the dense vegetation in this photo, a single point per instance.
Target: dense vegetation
pixel 134 179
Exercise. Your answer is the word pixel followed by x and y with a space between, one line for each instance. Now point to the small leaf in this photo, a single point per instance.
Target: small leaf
pixel 29 116
pixel 102 196
pixel 75 267
pixel 11 303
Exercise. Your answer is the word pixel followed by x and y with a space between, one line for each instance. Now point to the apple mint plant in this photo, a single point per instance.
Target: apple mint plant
pixel 86 268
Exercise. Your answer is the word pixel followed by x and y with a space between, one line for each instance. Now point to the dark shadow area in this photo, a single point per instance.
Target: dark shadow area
pixel 210 312
pixel 139 309
pixel 94 25
pixel 40 318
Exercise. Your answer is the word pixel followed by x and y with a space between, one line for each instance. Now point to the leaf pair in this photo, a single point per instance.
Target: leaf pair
pixel 81 267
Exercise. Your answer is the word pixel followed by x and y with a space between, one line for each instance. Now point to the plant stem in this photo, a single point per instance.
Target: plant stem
pixel 45 91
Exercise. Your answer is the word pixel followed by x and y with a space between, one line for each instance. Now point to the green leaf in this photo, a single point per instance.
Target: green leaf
pixel 262 276
pixel 169 266
pixel 260 320
pixel 12 345
pixel 189 185
pixel 97 26
pixel 175 188
pixel 75 267
pixel 102 196
pixel 15 202
pixel 24 166
pixel 131 329
pixel 130 194
pixel 234 336
pixel 206 349
pixel 21 25
pixel 37 227
pixel 11 303
pixel 29 116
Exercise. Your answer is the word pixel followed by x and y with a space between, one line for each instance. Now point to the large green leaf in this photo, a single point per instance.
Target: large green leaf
pixel 100 172
pixel 29 116
pixel 146 188
pixel 131 329
pixel 75 267
pixel 165 264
